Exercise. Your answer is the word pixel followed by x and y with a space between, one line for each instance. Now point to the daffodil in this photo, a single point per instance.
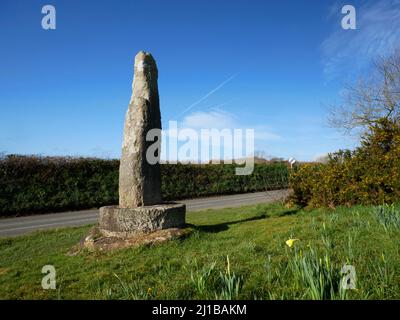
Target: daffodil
pixel 290 242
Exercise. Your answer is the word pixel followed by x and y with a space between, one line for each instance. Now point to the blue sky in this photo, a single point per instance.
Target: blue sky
pixel 268 65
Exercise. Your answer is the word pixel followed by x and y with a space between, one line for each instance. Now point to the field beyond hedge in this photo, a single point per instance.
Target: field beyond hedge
pixel 236 253
pixel 43 184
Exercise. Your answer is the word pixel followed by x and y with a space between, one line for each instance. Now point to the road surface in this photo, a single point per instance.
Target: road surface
pixel 21 225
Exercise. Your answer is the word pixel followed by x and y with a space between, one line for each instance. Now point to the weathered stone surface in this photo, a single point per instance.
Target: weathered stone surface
pixel 141 217
pixel 97 241
pixel 140 181
pixel 125 222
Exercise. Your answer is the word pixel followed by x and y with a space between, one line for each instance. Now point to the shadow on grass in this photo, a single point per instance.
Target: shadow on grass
pixel 288 213
pixel 214 228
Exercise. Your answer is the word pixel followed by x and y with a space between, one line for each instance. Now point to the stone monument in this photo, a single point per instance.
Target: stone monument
pixel 140 211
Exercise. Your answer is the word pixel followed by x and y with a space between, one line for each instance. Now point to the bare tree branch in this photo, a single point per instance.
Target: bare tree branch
pixel 370 99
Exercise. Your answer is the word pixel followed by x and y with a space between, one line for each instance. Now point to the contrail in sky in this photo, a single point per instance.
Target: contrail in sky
pixel 209 94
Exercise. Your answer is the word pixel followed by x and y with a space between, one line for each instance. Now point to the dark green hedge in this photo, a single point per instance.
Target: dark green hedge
pixel 42 184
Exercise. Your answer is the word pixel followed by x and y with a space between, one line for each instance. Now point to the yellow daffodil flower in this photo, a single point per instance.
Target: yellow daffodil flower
pixel 290 242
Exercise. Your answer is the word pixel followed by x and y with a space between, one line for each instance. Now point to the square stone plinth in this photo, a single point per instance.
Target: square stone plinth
pixel 125 222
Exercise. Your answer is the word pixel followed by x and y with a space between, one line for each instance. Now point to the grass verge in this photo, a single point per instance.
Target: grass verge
pixel 238 253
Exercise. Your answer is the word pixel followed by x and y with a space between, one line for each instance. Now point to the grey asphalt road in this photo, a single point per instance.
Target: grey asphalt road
pixel 21 225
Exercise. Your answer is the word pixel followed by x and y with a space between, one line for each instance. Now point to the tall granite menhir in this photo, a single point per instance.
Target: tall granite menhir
pixel 140 207
pixel 139 181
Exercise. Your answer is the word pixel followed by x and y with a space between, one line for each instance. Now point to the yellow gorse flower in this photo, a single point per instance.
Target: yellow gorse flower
pixel 290 242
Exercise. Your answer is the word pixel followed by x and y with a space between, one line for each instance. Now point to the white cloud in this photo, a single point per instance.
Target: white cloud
pixel 263 133
pixel 190 130
pixel 377 33
pixel 220 119
pixel 204 120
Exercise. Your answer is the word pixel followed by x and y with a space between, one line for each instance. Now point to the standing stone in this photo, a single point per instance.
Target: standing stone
pixel 141 209
pixel 139 181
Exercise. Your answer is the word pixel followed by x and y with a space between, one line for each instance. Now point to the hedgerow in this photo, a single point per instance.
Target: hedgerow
pixel 31 184
pixel 368 175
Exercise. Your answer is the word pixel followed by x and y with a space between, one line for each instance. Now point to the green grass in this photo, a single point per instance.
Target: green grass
pixel 231 254
pixel 388 216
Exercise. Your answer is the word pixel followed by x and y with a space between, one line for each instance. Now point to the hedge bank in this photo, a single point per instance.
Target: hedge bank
pixel 43 184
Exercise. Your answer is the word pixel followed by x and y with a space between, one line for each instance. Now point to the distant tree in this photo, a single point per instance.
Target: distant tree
pixel 260 154
pixel 322 158
pixel 370 99
pixel 340 156
pixel 276 159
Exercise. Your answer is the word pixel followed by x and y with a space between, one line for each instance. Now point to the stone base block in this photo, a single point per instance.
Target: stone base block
pixel 95 240
pixel 124 222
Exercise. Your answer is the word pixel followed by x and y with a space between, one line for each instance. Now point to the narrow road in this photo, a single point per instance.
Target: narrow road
pixel 21 225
